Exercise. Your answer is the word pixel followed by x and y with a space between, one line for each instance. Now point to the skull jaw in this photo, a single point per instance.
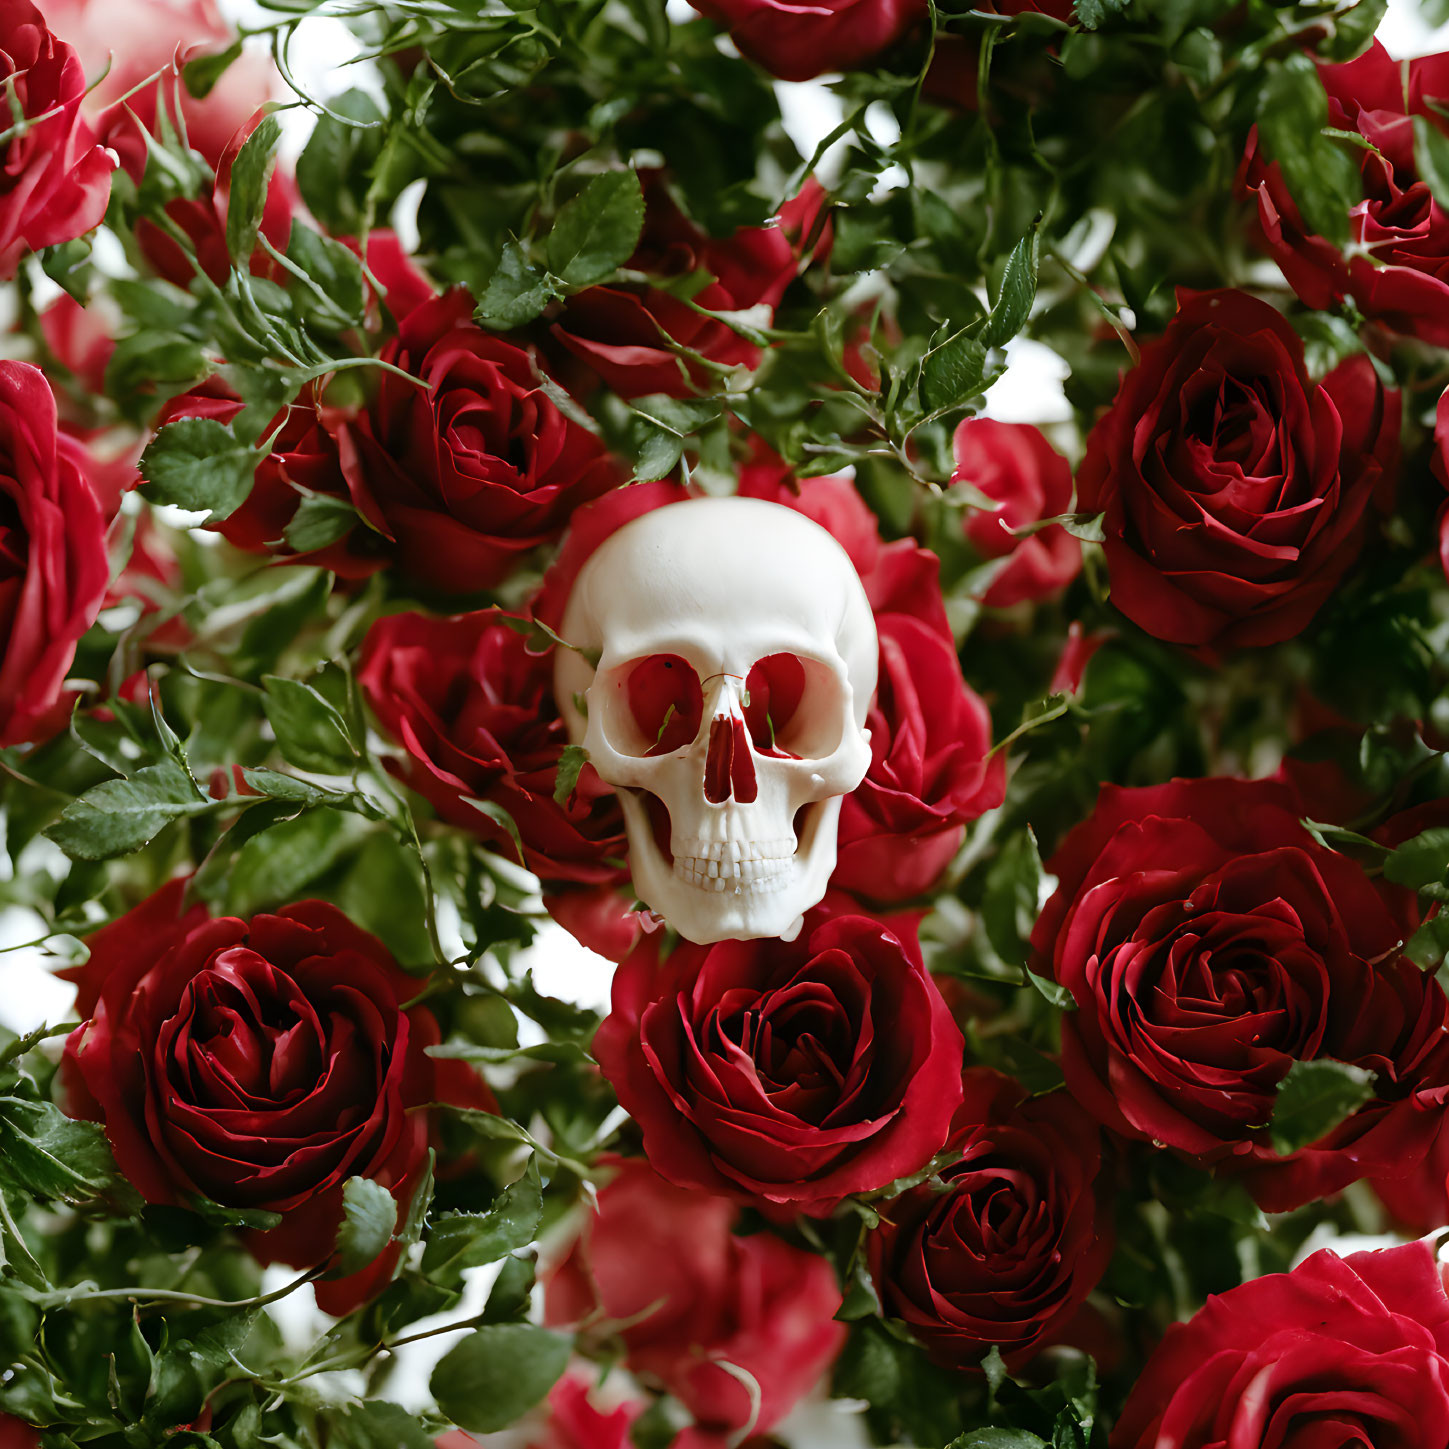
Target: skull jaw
pixel 735 912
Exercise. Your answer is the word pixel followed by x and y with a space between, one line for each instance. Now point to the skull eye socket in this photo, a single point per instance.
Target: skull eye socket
pixel 665 704
pixel 794 707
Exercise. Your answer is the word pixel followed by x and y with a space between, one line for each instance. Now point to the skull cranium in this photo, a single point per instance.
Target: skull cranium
pixel 737 659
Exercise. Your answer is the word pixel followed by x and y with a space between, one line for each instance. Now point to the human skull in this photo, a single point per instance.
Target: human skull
pixel 737 658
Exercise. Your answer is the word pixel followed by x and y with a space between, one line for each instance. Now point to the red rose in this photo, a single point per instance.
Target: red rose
pixel 796 40
pixel 1209 943
pixel 1397 269
pixel 1344 1350
pixel 629 336
pixel 1235 489
pixel 477 466
pixel 691 1295
pixel 1014 464
pixel 53 565
pixel 17 1434
pixel 474 709
pixel 260 1064
pixel 139 38
pixel 1007 1248
pixel 785 1073
pixel 931 770
pixel 575 1423
pixel 56 179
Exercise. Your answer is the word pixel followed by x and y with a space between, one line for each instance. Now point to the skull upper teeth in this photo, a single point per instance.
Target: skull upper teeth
pixel 751 865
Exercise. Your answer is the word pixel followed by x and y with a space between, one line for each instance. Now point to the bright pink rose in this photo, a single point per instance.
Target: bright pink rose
pixel 665 1263
pixel 1014 464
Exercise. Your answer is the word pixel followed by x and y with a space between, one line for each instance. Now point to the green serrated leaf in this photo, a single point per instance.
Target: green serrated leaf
pixel 377 1424
pixel 1091 14
pixel 320 520
pixel 1009 904
pixel 201 75
pixel 120 816
pixel 1422 861
pixel 251 174
pixel 571 762
pixel 517 291
pixel 597 231
pixel 952 373
pixel 310 732
pixel 338 294
pixel 1018 291
pixel 497 1374
pixel 1313 1098
pixel 459 1241
pixel 51 1156
pixel 199 463
pixel 369 1218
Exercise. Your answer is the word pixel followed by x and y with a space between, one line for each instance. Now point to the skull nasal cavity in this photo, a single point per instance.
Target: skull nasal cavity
pixel 729 770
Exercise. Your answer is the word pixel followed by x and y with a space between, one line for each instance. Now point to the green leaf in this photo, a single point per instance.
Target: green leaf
pixel 120 816
pixel 997 1438
pixel 337 163
pixel 201 75
pixel 571 762
pixel 320 520
pixel 275 864
pixel 468 1240
pixel 1431 157
pixel 1009 903
pixel 1322 178
pixel 1422 861
pixel 1427 947
pixel 369 1217
pixel 198 463
pixel 251 174
pixel 15 1252
pixel 517 291
pixel 1092 13
pixel 220 1215
pixel 500 817
pixel 377 1424
pixel 334 270
pixel 597 231
pixel 1313 1098
pixel 1018 290
pixel 310 732
pixel 951 374
pixel 497 1373
pixel 48 1155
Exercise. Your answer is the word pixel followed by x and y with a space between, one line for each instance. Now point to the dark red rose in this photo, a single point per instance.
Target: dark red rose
pixel 665 1263
pixel 796 40
pixel 1348 1350
pixel 629 335
pixel 56 178
pixel 474 709
pixel 203 219
pixel 787 1074
pixel 1209 943
pixel 53 565
pixel 16 1434
pixel 1014 464
pixel 1397 267
pixel 473 469
pixel 260 1064
pixel 1236 491
pixel 1005 1249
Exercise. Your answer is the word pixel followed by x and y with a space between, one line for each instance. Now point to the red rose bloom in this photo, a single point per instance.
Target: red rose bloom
pixel 474 710
pixel 574 1423
pixel 56 179
pixel 1007 1250
pixel 16 1434
pixel 1235 489
pixel 785 1073
pixel 1348 1350
pixel 473 469
pixel 1209 943
pixel 931 769
pixel 664 1262
pixel 53 565
pixel 1014 464
pixel 260 1064
pixel 629 336
pixel 1397 269
pixel 796 40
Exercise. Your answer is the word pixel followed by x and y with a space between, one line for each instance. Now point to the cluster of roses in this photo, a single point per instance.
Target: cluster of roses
pixel 1208 942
